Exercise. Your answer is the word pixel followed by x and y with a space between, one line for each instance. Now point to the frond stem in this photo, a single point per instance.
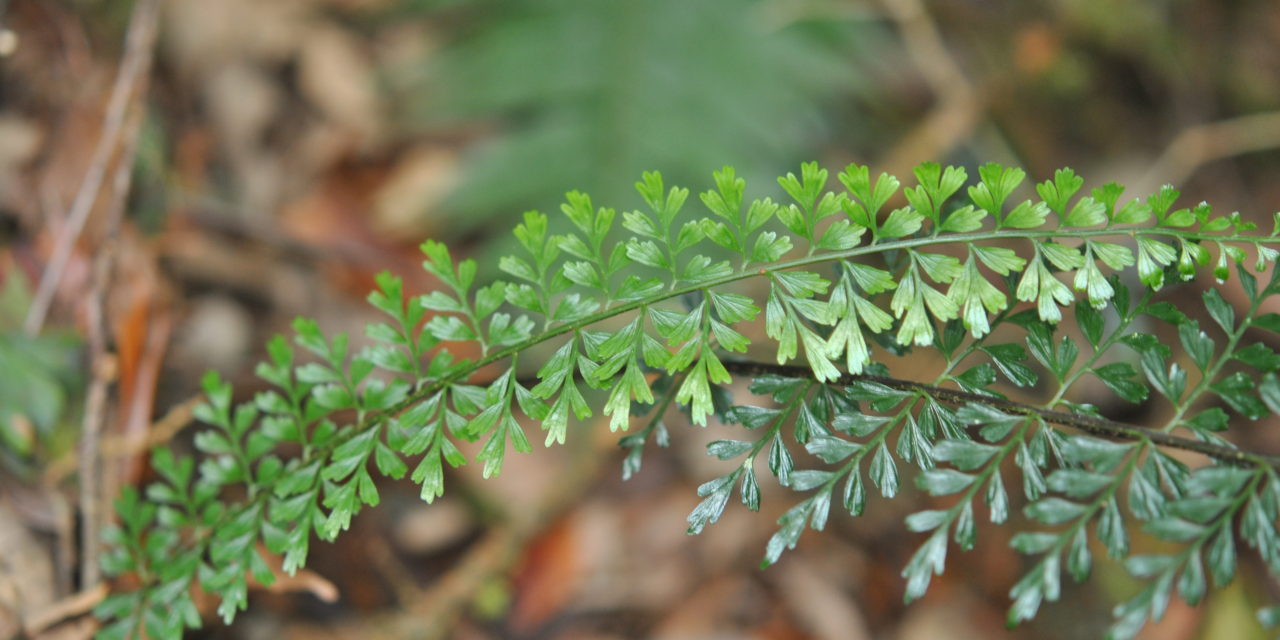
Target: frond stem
pixel 1211 374
pixel 807 260
pixel 1093 425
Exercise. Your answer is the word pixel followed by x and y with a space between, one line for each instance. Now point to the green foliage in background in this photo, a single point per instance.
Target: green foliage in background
pixel 37 377
pixel 1007 289
pixel 583 92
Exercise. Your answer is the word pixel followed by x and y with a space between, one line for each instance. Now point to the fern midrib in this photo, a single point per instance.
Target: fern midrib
pixel 802 262
pixel 882 433
pixel 776 427
pixel 1210 375
pixel 1093 425
pixel 1019 435
pixel 1102 498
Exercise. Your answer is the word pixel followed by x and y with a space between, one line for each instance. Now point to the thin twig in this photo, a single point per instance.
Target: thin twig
pixel 161 431
pixel 64 547
pixel 106 483
pixel 95 410
pixel 1093 425
pixel 134 66
pixel 93 489
pixel 116 446
pixel 393 571
pixel 923 41
pixel 959 105
pixel 1203 143
pixel 123 121
pixel 72 606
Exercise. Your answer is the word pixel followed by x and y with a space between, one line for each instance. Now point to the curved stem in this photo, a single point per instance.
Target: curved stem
pixel 803 262
pixel 1093 425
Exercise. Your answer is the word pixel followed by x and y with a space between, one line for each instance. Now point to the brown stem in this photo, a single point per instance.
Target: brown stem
pixel 123 121
pixel 134 67
pixel 1092 425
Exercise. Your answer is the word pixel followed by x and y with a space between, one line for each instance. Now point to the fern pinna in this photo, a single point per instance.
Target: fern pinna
pixel 1012 293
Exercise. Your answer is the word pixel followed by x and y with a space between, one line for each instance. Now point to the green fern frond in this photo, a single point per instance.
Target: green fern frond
pixel 649 308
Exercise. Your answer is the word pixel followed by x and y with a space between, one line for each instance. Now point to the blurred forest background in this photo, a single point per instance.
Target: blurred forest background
pixel 181 178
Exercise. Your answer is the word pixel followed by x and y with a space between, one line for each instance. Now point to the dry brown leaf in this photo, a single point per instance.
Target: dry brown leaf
pixel 821 606
pixel 548 576
pixel 730 606
pixel 427 528
pixel 242 101
pixel 26 568
pixel 336 75
pixel 20 139
pixel 958 617
pixel 200 35
pixel 305 581
pixel 419 182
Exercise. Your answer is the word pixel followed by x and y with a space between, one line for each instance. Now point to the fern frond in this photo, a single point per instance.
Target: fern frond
pixel 657 312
